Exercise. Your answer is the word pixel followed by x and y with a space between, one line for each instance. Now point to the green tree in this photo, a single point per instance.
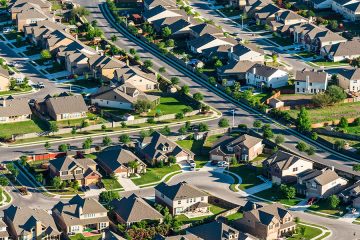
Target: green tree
pixel 23 160
pixel 175 80
pixel 107 141
pixel 114 38
pixel 56 182
pixel 142 106
pixel 80 11
pixel 40 178
pixel 311 13
pixel 257 124
pixel 218 63
pixel 108 196
pixel 356 167
pixel 4 181
pixel 198 96
pixel 314 136
pixel 185 89
pixel 310 151
pixel 170 43
pixel 343 122
pixel 132 51
pixel 289 192
pixel 87 143
pixel 63 147
pixel 203 127
pixel 165 131
pixel 339 144
pixel 172 159
pixel 53 127
pixel 301 146
pixel 268 133
pixel 125 139
pixel 47 145
pixel 133 165
pixel 84 124
pixel 279 139
pixel 303 123
pixel 333 201
pixel 356 122
pixel 148 64
pixel 45 54
pixel 179 115
pixel 337 94
pixel 166 32
pixel 182 130
pixel 223 122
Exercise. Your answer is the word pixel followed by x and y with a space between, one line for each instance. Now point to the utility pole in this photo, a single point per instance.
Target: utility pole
pixel 233 120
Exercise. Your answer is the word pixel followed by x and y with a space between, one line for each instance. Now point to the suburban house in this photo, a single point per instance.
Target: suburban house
pixel 349 80
pixel 27 223
pixel 104 67
pixel 65 107
pixel 76 62
pixel 4 234
pixel 288 18
pixel 23 5
pixel 320 183
pixel 167 22
pixel 56 39
pixel 310 82
pixel 69 168
pixel 283 167
pixel 133 209
pixel 14 110
pixel 4 79
pixel 267 222
pixel 139 79
pixel 205 28
pixel 243 148
pixel 121 97
pixel 80 214
pixel 206 41
pixel 30 16
pixel 149 4
pixel 264 76
pixel 234 71
pixel 342 51
pixel 160 12
pixel 349 9
pixel 180 28
pixel 182 198
pixel 352 195
pixel 266 14
pixel 158 148
pixel 116 160
pixel 216 230
pixel 246 52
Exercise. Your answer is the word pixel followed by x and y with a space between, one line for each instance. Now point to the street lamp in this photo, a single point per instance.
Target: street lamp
pixel 242 21
pixel 233 119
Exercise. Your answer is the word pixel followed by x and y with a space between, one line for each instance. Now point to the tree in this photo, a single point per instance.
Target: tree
pixel 45 54
pixel 198 96
pixel 87 143
pixel 218 63
pixel 303 123
pixel 162 70
pixel 311 13
pixel 132 51
pixel 182 130
pixel 63 147
pixel 166 130
pixel 170 43
pixel 321 99
pixel 80 11
pixel 179 115
pixel 288 5
pixel 333 201
pixel 73 131
pixel 343 122
pixel 339 144
pixel 53 127
pixel 356 122
pixel 114 38
pixel 108 196
pixel 268 133
pixel 142 106
pixel 203 127
pixel 166 32
pixel 356 167
pixel 107 141
pixel 302 231
pixel 314 136
pixel 310 151
pixel 172 159
pixel 23 160
pixel 39 177
pixel 133 165
pixel 257 124
pixel 274 58
pixel 4 3
pixel 279 139
pixel 333 24
pixel 56 182
pixel 174 80
pixel 47 145
pixel 4 181
pixel 148 64
pixel 337 94
pixel 124 138
pixel 223 122
pixel 185 89
pixel 301 146
pixel 288 192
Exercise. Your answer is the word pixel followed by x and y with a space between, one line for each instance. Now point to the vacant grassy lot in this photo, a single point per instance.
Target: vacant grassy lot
pixel 330 113
pixel 153 175
pixel 168 105
pixel 195 147
pixel 248 175
pixel 8 129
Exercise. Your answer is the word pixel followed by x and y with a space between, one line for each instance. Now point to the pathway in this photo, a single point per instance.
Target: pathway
pixel 126 182
pixel 259 188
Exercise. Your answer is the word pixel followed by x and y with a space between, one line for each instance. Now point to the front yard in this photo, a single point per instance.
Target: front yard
pixel 273 195
pixel 154 174
pixel 310 233
pixel 16 128
pixel 91 118
pixel 323 207
pixel 248 175
pixel 168 105
pixel 196 147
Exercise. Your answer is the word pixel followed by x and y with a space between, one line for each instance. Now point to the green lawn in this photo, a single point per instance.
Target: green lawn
pixel 155 174
pixel 110 183
pixel 324 63
pixel 168 105
pixel 195 147
pixel 230 12
pixel 16 91
pixel 330 113
pixel 272 195
pixel 90 83
pixel 248 175
pixel 306 54
pixel 80 236
pixel 234 216
pixel 282 41
pixel 55 68
pixel 13 35
pixel 323 207
pixel 214 209
pixel 92 119
pixel 310 233
pixel 211 140
pixel 8 129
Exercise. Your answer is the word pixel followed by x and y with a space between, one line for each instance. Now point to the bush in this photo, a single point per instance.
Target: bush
pixel 343 122
pixel 356 122
pixel 242 126
pixel 301 146
pixel 223 123
pixel 179 115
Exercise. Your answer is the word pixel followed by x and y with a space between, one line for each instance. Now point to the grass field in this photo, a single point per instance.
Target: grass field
pixel 310 233
pixel 330 113
pixel 155 174
pixel 110 184
pixel 234 216
pixel 272 195
pixel 248 175
pixel 8 129
pixel 195 147
pixel 168 105
pixel 323 207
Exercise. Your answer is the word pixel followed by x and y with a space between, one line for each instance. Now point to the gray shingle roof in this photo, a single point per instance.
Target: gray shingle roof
pixel 326 177
pixel 15 107
pixel 349 48
pixel 266 213
pixel 67 104
pixel 180 191
pixel 236 67
pixel 262 70
pixel 314 77
pixel 352 74
pixel 282 160
pixel 204 28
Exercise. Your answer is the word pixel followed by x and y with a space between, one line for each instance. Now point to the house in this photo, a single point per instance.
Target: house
pixel 80 214
pixel 342 51
pixel 30 16
pixel 310 82
pixel 116 160
pixel 320 183
pixel 352 195
pixel 206 41
pixel 4 79
pixel 133 209
pixel 65 107
pixel 158 148
pixel 22 5
pixel 267 222
pixel 139 79
pixel 349 79
pixel 266 14
pixel 69 168
pixel 182 198
pixel 76 62
pixel 216 230
pixel 35 33
pixel 150 4
pixel 161 12
pixel 221 52
pixel 53 40
pixel 288 17
pixel 121 97
pixel 14 110
pixel 180 28
pixel 198 30
pixel 349 9
pixel 260 75
pixel 166 22
pixel 246 52
pixel 27 223
pixel 283 167
pixel 251 7
pixel 234 71
pixel 4 234
pixel 104 67
pixel 243 148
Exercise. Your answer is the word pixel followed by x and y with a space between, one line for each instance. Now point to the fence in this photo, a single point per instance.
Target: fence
pixel 329 123
pixel 45 156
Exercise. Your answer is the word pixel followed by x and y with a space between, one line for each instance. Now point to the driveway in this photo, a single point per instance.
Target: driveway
pixel 126 182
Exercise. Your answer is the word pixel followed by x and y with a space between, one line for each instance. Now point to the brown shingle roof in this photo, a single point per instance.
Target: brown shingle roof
pixel 14 107
pixel 67 104
pixel 180 191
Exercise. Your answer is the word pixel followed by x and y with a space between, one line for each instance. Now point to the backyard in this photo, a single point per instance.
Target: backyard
pixel 154 174
pixel 214 209
pixel 168 105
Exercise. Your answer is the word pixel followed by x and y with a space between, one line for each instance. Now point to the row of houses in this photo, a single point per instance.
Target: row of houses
pixel 349 9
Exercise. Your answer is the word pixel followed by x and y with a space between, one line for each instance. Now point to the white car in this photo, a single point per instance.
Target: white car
pixel 8 29
pixel 223 164
pixel 192 163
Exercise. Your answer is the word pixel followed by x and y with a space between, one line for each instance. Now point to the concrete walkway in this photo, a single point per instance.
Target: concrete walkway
pixel 350 217
pixel 259 188
pixel 126 183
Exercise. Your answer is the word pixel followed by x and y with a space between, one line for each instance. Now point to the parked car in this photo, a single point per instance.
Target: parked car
pixel 40 85
pixel 7 29
pixel 192 163
pixel 23 190
pixel 223 164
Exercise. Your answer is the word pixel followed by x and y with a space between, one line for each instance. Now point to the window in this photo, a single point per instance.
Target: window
pixel 295 169
pixel 202 198
pixel 297 83
pixel 103 225
pixel 310 84
pixel 179 202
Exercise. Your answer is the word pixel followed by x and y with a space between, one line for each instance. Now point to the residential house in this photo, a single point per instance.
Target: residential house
pixel 246 52
pixel 251 7
pixel 65 107
pixel 52 41
pixel 216 230
pixel 14 110
pixel 133 209
pixel 187 236
pixel 30 17
pixel 139 79
pixel 234 71
pixel 182 198
pixel 166 22
pixel 35 33
pixel 4 79
pixel 27 223
pixel 104 67
pixel 284 19
pixel 121 97
pixel 284 167
pixel 76 62
pixel 22 5
pixel 206 41
pixel 342 51
pixel 220 52
pixel 349 79
pixel 180 28
pixel 310 82
pixel 80 214
pixel 349 9
pixel 150 4
pixel 161 12
pixel 267 222
pixel 352 195
pixel 266 14
pixel 4 234
pixel 321 4
pixel 320 183
pixel 205 28
pixel 79 169
pixel 260 75
pixel 116 160
pixel 158 148
pixel 243 148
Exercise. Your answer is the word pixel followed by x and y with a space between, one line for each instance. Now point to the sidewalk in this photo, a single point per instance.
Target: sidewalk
pixel 259 188
pixel 126 183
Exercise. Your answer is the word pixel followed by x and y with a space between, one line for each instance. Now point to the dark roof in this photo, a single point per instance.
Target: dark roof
pixel 135 209
pixel 266 213
pixel 241 49
pixel 179 191
pixel 179 25
pixel 262 70
pixel 67 104
pixel 314 77
pixel 349 48
pixel 352 74
pixel 203 28
pixel 282 160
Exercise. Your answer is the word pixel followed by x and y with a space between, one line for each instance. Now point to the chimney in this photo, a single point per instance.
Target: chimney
pixel 76 37
pixel 254 70
pixel 80 211
pixel 232 49
pixel 254 206
pixel 4 103
pixel 38 229
pixel 332 168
